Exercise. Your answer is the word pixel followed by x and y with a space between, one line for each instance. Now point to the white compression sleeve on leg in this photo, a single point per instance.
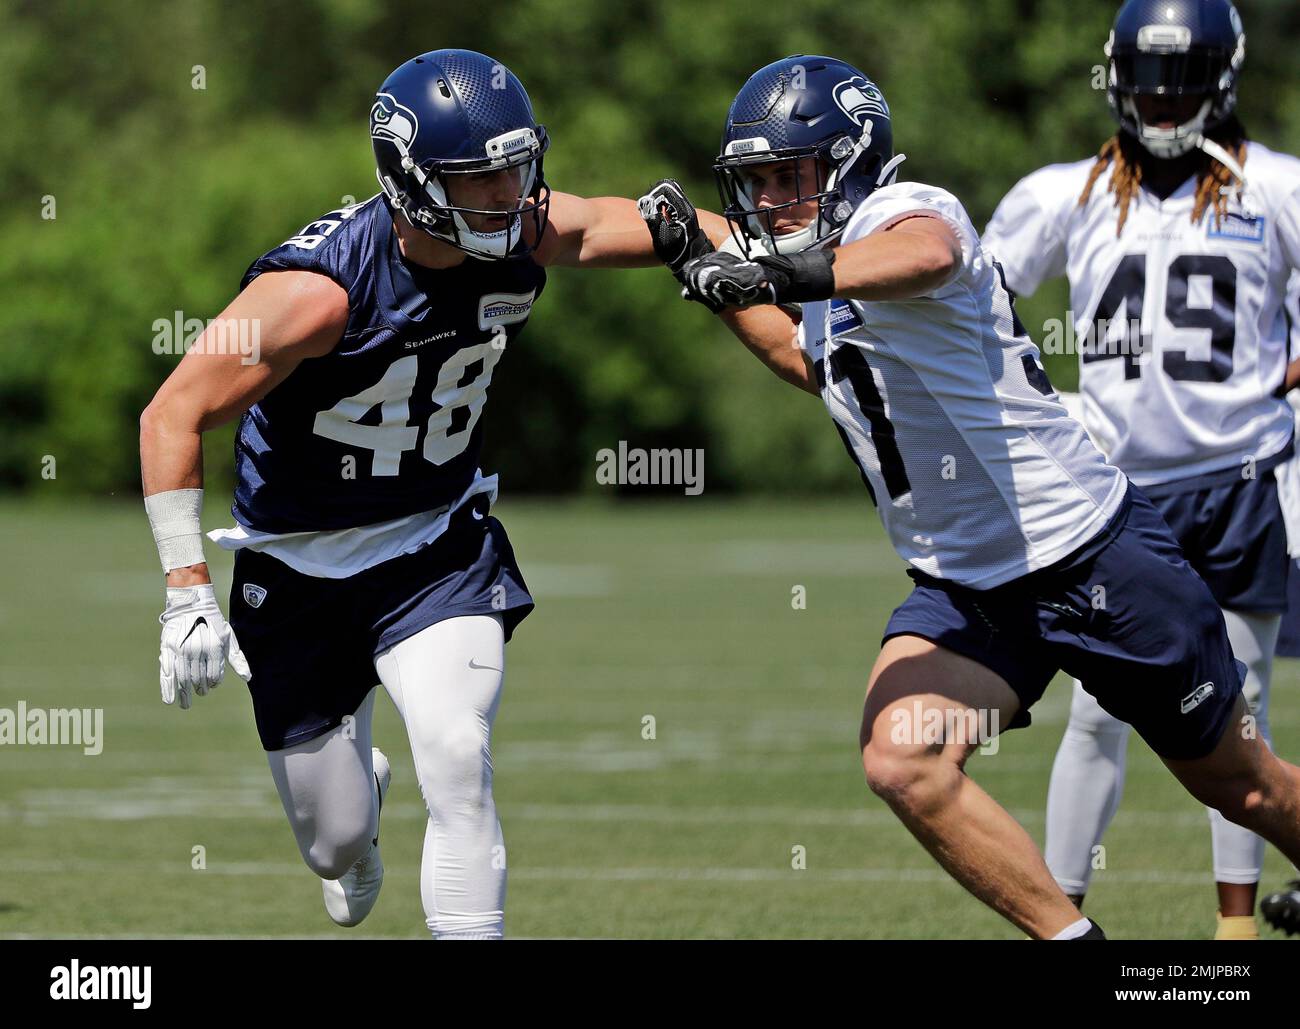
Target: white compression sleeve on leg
pixel 1084 793
pixel 446 682
pixel 327 788
pixel 1238 852
pixel 174 517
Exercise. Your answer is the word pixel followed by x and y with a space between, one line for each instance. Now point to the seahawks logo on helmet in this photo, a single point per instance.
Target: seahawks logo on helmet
pixel 859 99
pixel 392 121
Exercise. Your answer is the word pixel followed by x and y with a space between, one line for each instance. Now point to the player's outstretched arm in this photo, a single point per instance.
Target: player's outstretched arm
pixel 911 257
pixel 772 335
pixel 603 232
pixel 682 234
pixel 292 316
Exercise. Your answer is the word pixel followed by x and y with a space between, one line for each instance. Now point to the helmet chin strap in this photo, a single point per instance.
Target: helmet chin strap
pixel 890 171
pixel 791 242
pixel 486 244
pixel 797 241
pixel 1168 144
pixel 1221 155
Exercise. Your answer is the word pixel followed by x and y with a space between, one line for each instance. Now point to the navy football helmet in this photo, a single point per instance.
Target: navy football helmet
pixel 1175 48
pixel 805 106
pixel 456 112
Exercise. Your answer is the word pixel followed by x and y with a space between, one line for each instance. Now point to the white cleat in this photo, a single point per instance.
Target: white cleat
pixel 349 898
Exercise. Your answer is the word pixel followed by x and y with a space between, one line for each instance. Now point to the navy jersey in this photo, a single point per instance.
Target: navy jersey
pixel 388 423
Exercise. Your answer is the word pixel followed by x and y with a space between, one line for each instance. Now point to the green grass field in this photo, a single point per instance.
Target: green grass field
pixel 681 611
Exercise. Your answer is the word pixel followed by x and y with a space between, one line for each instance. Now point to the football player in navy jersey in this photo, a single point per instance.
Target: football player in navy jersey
pixel 364 545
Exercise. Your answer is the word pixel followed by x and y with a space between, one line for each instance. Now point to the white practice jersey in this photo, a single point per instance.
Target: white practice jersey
pixel 978 472
pixel 1287 473
pixel 1180 327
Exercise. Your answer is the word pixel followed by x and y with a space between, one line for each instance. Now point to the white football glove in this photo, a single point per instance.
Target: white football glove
pixel 196 642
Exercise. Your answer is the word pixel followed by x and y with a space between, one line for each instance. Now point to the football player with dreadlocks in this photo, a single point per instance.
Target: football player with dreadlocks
pixel 1281 909
pixel 1010 519
pixel 365 551
pixel 1178 239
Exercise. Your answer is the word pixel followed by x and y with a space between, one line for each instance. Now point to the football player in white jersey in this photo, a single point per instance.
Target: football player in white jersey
pixel 1288 487
pixel 1029 552
pixel 1178 239
pixel 1281 909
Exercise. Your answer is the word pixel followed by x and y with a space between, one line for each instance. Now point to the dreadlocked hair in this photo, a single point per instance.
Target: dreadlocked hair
pixel 1127 155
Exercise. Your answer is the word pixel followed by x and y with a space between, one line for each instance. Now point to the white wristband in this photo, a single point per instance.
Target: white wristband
pixel 174 518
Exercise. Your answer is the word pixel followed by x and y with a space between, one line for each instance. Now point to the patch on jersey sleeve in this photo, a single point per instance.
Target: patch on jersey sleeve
pixel 844 318
pixel 504 308
pixel 1236 227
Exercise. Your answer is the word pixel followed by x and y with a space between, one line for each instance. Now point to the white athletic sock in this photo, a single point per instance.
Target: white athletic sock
pixel 1085 789
pixel 1074 930
pixel 446 682
pixel 1238 852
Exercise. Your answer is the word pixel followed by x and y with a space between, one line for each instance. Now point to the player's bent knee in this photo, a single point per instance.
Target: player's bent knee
pixel 464 747
pixel 1239 803
pixel 331 858
pixel 460 753
pixel 887 775
pixel 1244 799
pixel 911 777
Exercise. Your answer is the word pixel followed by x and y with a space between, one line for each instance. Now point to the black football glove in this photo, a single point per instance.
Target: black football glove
pixel 722 280
pixel 674 226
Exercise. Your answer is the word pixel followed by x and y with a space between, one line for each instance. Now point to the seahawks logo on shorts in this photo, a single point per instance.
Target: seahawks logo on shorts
pixel 1194 699
pixel 253 595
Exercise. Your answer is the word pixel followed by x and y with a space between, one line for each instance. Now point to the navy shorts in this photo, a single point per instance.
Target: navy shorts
pixel 1125 614
pixel 1288 639
pixel 312 642
pixel 1233 534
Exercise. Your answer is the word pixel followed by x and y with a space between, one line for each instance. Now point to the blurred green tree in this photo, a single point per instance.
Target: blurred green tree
pixel 179 141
